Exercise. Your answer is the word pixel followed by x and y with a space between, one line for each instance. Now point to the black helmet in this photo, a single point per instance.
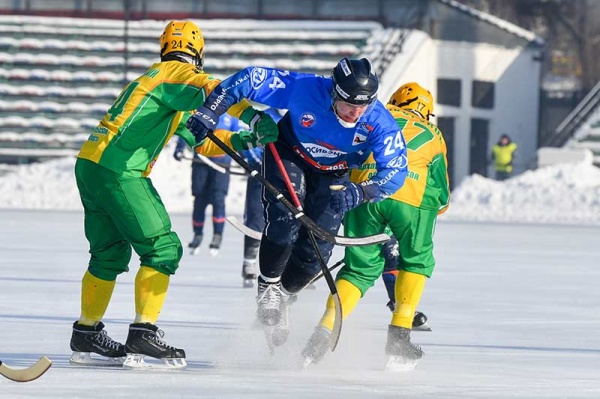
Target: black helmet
pixel 355 82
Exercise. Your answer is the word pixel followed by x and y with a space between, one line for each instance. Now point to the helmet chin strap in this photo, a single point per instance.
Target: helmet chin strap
pixel 340 120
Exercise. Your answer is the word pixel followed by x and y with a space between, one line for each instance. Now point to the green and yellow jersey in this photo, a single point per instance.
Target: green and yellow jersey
pixel 146 114
pixel 426 185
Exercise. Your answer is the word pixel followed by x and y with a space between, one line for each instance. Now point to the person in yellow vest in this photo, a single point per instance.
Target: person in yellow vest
pixel 123 210
pixel 410 213
pixel 503 155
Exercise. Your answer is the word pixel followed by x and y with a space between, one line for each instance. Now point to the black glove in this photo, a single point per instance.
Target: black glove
pixel 178 155
pixel 201 122
pixel 346 196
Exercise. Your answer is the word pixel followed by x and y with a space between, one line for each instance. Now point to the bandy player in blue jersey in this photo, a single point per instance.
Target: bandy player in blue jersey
pixel 332 124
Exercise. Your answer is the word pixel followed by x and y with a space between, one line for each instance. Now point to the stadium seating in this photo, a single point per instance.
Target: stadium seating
pixel 58 76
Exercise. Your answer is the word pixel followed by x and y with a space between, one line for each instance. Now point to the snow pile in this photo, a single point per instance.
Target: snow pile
pixel 565 194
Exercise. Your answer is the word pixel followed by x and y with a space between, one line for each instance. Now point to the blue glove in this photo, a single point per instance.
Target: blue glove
pixel 346 196
pixel 201 122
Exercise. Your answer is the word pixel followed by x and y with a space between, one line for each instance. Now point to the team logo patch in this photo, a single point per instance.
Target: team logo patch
pixel 258 77
pixel 307 120
pixel 359 138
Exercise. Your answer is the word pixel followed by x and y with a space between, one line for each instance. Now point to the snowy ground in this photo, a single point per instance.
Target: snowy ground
pixel 513 310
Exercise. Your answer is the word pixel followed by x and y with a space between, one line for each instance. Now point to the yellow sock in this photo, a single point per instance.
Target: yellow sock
pixel 349 297
pixel 408 290
pixel 95 296
pixel 150 292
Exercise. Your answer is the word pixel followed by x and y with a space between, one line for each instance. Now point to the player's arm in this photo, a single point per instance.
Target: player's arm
pixel 269 86
pixel 389 153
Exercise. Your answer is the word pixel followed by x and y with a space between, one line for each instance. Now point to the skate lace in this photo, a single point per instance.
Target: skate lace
pixel 158 338
pixel 270 298
pixel 104 340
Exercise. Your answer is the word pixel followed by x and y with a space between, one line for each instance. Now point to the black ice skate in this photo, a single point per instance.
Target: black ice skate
pixel 145 339
pixel 268 301
pixel 86 340
pixel 419 320
pixel 215 244
pixel 401 354
pixel 317 346
pixel 194 245
pixel 249 273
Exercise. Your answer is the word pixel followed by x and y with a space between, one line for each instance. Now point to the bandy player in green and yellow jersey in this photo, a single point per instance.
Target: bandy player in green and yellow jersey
pixel 410 213
pixel 123 210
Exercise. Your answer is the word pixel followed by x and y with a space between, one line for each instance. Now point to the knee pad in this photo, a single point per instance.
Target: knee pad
pixel 108 263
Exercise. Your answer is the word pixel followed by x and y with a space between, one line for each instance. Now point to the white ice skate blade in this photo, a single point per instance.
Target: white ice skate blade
pixel 398 364
pixel 422 327
pixel 307 362
pixel 195 251
pixel 213 252
pixel 86 359
pixel 136 362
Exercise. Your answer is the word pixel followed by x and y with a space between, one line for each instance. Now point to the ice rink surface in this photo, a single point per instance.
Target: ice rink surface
pixel 513 307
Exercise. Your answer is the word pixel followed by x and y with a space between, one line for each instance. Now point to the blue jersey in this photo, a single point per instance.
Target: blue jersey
pixel 312 129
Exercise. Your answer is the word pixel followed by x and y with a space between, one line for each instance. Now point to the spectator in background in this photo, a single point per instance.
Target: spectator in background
pixel 503 154
pixel 209 187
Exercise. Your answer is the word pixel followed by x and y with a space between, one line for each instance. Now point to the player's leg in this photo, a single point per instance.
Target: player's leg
pixel 415 265
pixel 201 193
pixel 219 187
pixel 362 267
pixel 144 221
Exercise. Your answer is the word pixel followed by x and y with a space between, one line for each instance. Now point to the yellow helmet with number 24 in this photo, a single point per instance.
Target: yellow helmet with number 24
pixel 182 39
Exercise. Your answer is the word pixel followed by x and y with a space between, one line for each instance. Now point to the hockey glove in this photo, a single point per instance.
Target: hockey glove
pixel 261 124
pixel 346 196
pixel 201 122
pixel 244 140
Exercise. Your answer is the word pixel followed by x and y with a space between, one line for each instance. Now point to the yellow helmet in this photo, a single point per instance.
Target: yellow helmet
pixel 182 39
pixel 415 98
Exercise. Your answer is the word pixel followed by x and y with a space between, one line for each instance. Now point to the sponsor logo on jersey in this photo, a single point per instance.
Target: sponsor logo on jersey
pixel 319 151
pixel 398 162
pixel 258 77
pixel 342 165
pixel 359 138
pixel 307 120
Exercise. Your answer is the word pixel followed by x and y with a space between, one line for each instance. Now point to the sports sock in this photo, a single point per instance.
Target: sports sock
pixel 349 297
pixel 408 290
pixel 150 291
pixel 95 296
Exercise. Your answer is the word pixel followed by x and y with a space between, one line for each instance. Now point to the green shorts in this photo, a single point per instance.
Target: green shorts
pixel 413 228
pixel 122 212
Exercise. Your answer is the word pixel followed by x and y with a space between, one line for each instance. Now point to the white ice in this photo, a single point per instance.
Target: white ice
pixel 513 306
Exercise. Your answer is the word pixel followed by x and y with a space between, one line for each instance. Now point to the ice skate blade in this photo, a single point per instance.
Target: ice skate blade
pixel 195 251
pixel 136 362
pixel 248 283
pixel 422 327
pixel 307 361
pixel 398 364
pixel 213 252
pixel 85 359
